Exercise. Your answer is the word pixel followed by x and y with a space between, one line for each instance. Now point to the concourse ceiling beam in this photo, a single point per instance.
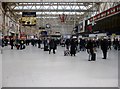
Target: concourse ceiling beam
pixel 61 1
pixel 52 3
pixel 57 10
pixel 52 15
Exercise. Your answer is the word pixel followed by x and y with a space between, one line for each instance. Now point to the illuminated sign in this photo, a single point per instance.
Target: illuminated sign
pixel 28 18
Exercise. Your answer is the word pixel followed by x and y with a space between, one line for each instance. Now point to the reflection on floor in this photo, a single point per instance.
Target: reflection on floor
pixel 34 67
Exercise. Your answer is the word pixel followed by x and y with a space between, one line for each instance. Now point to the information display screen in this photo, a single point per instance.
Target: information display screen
pixel 28 18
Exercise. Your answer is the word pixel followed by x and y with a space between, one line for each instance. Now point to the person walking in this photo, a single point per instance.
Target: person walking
pixel 90 50
pixel 67 43
pixel 45 42
pixel 73 47
pixel 27 41
pixel 32 42
pixel 52 46
pixel 109 44
pixel 17 43
pixel 39 43
pixel 12 43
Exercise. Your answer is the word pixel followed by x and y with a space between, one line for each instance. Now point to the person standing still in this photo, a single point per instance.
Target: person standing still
pixel 73 47
pixel 104 47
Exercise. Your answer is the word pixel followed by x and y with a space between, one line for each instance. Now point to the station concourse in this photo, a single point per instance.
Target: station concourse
pixel 59 43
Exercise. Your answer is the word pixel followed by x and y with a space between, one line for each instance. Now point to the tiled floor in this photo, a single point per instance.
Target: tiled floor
pixel 33 67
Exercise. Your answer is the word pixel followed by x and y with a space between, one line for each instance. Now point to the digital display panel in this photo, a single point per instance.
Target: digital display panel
pixel 28 18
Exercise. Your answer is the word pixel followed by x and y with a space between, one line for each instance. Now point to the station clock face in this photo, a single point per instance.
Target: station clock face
pixel 47 25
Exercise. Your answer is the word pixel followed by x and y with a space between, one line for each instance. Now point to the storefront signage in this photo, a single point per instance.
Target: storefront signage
pixel 106 13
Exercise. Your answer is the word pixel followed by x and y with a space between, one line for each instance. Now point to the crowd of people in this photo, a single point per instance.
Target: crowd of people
pixel 72 45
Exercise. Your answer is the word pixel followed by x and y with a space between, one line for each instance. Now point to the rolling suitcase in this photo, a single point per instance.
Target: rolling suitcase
pixel 46 48
pixel 23 46
pixel 66 52
pixel 18 46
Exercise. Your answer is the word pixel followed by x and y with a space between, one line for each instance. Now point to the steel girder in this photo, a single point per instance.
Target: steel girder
pixel 38 7
pixel 61 1
pixel 42 10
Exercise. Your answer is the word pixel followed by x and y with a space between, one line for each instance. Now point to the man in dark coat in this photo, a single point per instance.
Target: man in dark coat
pixel 52 45
pixel 104 47
pixel 67 43
pixel 116 44
pixel 6 42
pixel 17 43
pixel 3 42
pixel 109 44
pixel 45 42
pixel 73 47
pixel 90 49
pixel 12 43
pixel 27 42
pixel 82 44
pixel 32 42
pixel 39 43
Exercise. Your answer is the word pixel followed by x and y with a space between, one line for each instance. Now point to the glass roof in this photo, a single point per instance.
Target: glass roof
pixel 54 8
